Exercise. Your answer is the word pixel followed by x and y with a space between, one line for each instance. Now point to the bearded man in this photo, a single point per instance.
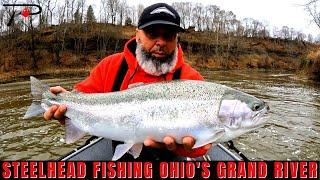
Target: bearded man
pixel 154 55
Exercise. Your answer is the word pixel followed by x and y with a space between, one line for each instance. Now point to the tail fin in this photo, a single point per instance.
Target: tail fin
pixel 37 89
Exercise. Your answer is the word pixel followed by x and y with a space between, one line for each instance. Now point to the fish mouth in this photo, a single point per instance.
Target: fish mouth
pixel 260 117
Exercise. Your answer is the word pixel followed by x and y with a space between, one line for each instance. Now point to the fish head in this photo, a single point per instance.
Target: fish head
pixel 240 113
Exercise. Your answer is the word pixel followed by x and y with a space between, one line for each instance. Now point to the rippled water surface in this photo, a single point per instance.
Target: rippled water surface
pixel 292 133
pixel 32 139
pixel 293 130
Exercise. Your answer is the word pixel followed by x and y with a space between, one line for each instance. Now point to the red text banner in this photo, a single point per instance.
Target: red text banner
pixel 160 170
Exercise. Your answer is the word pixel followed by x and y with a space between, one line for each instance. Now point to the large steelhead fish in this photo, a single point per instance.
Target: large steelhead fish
pixel 209 112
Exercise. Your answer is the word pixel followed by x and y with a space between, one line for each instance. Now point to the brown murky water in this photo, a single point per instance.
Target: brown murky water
pixel 293 131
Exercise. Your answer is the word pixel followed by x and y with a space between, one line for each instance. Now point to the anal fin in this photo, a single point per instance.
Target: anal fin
pixel 73 133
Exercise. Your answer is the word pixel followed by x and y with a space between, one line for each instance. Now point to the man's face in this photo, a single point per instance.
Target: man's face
pixel 160 41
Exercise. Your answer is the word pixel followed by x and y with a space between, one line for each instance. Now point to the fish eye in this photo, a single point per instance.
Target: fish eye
pixel 257 106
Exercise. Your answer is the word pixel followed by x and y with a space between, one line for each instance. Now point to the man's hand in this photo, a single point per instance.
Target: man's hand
pixel 55 111
pixel 187 144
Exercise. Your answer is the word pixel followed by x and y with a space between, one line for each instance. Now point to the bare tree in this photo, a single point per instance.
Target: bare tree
pixel 207 19
pixel 276 32
pixel 72 10
pixel 44 16
pixel 140 9
pixel 2 23
pixel 32 43
pixel 67 10
pixel 130 15
pixel 264 32
pixel 113 6
pixel 215 11
pixel 310 38
pixel 285 32
pixel 254 28
pixel 60 14
pixel 63 12
pixel 230 22
pixel 301 36
pixel 221 21
pixel 312 8
pixel 77 15
pixel 82 4
pixel 211 16
pixel 184 10
pixel 10 11
pixel 197 14
pixel 292 34
pixel 317 39
pixel 67 5
pixel 239 29
pixel 122 12
pixel 51 6
pixel 104 11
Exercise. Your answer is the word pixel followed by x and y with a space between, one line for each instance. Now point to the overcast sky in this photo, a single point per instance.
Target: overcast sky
pixel 271 12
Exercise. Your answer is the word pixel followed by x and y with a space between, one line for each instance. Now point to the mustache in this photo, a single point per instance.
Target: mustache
pixel 159 48
pixel 168 58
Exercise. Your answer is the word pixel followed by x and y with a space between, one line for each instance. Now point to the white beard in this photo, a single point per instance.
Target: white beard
pixel 153 65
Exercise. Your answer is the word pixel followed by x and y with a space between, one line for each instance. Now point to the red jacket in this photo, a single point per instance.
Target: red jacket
pixel 102 77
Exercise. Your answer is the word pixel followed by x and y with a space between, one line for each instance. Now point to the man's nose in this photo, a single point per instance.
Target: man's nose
pixel 160 41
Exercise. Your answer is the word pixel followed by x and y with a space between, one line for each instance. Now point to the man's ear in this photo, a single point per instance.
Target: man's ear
pixel 137 35
pixel 138 38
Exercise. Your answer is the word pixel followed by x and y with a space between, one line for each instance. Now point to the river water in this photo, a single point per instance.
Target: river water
pixel 292 132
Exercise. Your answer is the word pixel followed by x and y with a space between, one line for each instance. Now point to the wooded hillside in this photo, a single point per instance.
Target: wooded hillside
pixel 215 39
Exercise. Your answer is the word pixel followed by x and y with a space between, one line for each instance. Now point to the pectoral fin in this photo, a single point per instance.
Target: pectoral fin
pixel 136 150
pixel 120 150
pixel 211 139
pixel 133 149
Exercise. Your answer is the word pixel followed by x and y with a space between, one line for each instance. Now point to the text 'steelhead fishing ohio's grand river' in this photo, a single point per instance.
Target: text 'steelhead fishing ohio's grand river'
pixel 292 131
